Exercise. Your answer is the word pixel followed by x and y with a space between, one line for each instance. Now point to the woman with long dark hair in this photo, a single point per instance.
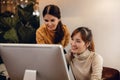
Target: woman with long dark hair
pixel 52 31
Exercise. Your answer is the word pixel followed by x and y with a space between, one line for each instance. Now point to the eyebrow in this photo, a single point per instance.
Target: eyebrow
pixel 46 19
pixel 76 39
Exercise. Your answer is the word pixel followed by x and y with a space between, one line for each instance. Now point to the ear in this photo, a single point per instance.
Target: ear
pixel 87 44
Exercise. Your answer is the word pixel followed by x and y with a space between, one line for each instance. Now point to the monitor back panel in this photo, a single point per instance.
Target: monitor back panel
pixel 48 60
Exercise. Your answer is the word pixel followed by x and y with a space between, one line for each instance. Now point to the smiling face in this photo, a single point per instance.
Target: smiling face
pixel 77 44
pixel 51 22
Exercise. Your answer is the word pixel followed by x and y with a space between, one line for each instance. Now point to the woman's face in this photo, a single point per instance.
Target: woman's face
pixel 77 44
pixel 51 22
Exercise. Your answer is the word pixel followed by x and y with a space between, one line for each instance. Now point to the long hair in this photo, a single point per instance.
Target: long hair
pixel 55 11
pixel 86 35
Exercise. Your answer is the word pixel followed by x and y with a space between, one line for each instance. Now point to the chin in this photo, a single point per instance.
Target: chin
pixel 73 51
pixel 51 29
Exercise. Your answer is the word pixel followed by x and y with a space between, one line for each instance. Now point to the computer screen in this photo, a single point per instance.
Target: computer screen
pixel 47 59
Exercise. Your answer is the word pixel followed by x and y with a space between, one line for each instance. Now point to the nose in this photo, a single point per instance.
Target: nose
pixel 49 23
pixel 72 42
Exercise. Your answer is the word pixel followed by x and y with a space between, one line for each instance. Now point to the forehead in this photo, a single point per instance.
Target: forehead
pixel 77 35
pixel 48 16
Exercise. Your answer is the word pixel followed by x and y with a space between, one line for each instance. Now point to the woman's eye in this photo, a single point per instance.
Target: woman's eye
pixel 46 20
pixel 52 20
pixel 78 41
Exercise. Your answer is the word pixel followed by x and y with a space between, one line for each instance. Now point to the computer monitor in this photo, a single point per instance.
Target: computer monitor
pixel 47 59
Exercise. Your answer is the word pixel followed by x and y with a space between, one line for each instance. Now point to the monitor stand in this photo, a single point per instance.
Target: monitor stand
pixel 30 75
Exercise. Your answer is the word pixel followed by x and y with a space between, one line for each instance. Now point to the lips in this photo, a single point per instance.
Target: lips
pixel 50 26
pixel 74 48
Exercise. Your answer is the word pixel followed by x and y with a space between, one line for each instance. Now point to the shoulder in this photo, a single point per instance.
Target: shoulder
pixel 41 28
pixel 97 57
pixel 66 30
pixel 65 27
pixel 68 53
pixel 68 56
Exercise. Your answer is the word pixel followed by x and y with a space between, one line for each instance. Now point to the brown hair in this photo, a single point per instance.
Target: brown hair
pixel 87 36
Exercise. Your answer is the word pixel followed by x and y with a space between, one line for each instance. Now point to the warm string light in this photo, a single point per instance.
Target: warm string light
pixel 36 8
pixel 17 1
pixel 13 1
pixel 3 2
pixel 11 5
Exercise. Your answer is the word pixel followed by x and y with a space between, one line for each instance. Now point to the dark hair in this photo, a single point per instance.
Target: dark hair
pixel 55 11
pixel 87 36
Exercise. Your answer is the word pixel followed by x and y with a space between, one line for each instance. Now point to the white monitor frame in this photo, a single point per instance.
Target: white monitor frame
pixel 47 59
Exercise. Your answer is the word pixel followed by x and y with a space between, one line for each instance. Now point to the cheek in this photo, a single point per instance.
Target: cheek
pixel 56 22
pixel 47 23
pixel 70 42
pixel 81 46
pixel 55 26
